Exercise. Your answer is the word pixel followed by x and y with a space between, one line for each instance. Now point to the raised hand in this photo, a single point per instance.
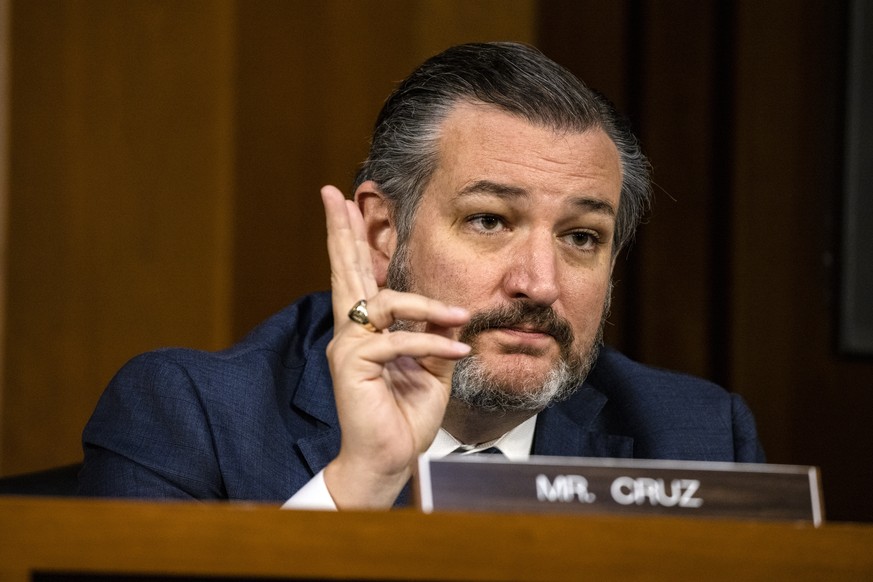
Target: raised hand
pixel 391 388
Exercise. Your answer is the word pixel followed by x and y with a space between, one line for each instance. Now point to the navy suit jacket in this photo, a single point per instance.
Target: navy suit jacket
pixel 258 421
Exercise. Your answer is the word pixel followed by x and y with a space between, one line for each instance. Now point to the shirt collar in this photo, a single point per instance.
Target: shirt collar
pixel 515 444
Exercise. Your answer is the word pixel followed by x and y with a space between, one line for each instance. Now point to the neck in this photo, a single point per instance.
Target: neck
pixel 471 426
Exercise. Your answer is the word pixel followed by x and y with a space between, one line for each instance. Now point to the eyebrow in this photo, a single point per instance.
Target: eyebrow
pixel 507 191
pixel 489 187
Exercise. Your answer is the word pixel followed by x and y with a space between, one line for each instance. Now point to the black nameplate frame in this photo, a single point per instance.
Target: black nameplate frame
pixel 620 486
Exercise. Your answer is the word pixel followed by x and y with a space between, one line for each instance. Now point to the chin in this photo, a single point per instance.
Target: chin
pixel 520 369
pixel 510 388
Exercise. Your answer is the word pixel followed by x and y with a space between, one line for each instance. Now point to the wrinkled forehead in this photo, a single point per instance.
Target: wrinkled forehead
pixel 482 142
pixel 468 125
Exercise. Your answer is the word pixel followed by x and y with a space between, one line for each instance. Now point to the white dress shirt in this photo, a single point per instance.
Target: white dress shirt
pixel 515 445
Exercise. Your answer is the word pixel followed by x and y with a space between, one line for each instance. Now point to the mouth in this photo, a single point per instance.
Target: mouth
pixel 519 328
pixel 515 338
pixel 525 331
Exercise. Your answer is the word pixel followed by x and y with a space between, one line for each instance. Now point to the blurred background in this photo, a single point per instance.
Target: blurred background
pixel 161 162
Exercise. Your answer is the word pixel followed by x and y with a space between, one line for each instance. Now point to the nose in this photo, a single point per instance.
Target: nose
pixel 532 271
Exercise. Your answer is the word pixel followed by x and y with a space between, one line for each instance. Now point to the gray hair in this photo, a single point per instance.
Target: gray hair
pixel 514 77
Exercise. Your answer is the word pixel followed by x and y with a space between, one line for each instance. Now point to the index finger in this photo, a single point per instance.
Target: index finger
pixel 349 271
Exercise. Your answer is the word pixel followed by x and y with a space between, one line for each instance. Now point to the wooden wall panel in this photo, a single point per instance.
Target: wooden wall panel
pixel 813 404
pixel 4 186
pixel 679 88
pixel 119 201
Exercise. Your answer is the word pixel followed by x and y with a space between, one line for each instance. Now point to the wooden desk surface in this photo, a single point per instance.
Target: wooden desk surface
pixel 235 540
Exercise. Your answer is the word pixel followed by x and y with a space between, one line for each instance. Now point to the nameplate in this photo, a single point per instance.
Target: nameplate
pixel 619 486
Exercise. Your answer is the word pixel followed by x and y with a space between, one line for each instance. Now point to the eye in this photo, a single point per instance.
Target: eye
pixel 486 223
pixel 583 239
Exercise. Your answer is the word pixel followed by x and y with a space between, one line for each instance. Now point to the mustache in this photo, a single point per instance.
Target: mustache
pixel 520 314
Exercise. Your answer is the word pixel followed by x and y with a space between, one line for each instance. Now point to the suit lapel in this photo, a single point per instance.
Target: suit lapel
pixel 320 449
pixel 314 392
pixel 314 396
pixel 571 429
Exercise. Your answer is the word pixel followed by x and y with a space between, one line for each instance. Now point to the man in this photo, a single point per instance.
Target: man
pixel 470 279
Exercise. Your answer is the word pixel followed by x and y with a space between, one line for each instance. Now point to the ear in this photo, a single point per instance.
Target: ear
pixel 381 235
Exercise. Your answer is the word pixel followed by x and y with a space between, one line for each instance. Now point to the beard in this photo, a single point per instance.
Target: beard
pixel 479 388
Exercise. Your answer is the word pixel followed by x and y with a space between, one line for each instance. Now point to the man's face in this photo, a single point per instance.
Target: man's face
pixel 516 225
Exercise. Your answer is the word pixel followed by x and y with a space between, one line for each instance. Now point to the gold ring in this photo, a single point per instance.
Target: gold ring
pixel 359 314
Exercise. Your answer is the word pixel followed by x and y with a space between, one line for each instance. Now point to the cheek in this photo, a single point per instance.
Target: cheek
pixel 585 305
pixel 453 277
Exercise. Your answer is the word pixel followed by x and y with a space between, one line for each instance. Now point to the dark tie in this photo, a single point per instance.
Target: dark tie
pixel 466 452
